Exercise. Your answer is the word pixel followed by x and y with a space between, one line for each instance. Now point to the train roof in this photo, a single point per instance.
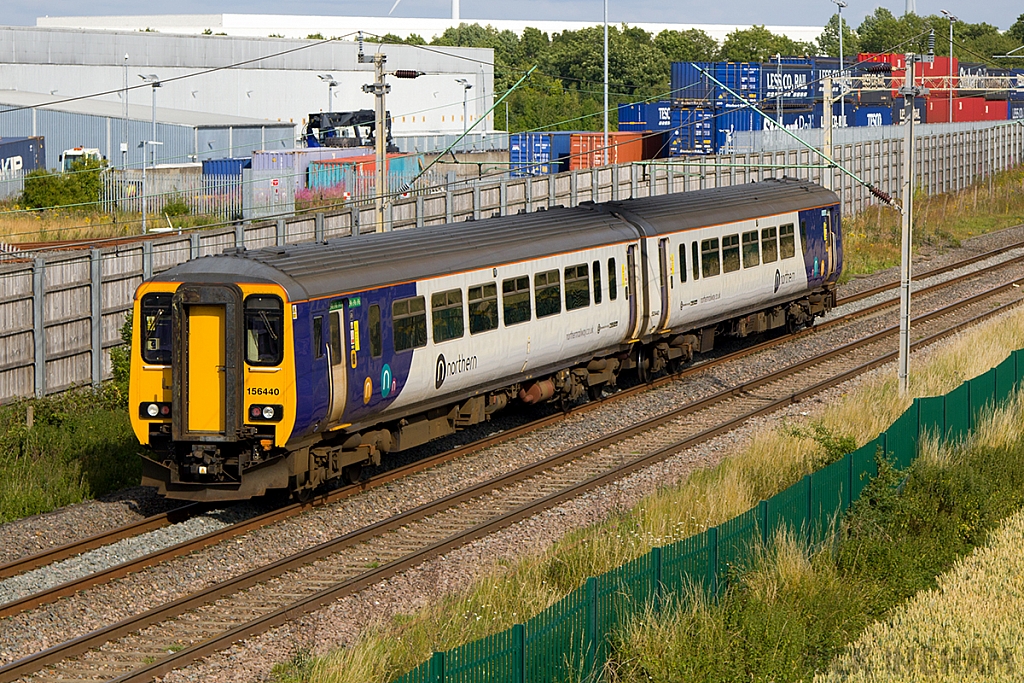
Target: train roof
pixel 349 264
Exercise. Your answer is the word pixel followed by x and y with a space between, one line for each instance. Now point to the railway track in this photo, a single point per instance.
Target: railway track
pixel 196 625
pixel 73 586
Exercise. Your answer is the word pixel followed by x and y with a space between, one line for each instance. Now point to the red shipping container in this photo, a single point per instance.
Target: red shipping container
pixel 966 109
pixel 586 150
pixel 934 76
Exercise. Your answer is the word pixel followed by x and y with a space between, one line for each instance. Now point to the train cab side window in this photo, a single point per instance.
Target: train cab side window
pixel 751 257
pixel 577 287
pixel 446 311
pixel 515 296
pixel 682 262
pixel 769 245
pixel 409 323
pixel 730 253
pixel 696 262
pixel 597 282
pixel 547 291
pixel 376 347
pixel 318 336
pixel 156 330
pixel 483 308
pixel 709 257
pixel 613 292
pixel 264 330
pixel 787 244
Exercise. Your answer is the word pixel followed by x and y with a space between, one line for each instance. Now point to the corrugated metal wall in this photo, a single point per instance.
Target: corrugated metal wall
pixel 61 313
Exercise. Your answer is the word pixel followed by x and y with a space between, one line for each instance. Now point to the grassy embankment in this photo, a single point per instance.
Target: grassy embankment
pixel 872 239
pixel 511 592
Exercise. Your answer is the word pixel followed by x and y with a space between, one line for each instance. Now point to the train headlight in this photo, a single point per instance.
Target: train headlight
pixel 256 412
pixel 152 410
pixel 157 410
pixel 268 412
pixel 265 413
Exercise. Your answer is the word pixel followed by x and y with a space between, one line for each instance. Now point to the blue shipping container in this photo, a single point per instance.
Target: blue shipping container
pixel 871 116
pixel 899 113
pixel 227 166
pixel 539 153
pixel 645 116
pixel 730 121
pixel 1016 110
pixel 742 78
pixel 529 154
pixel 689 84
pixel 692 132
pixel 22 154
pixel 790 83
pixel 1016 83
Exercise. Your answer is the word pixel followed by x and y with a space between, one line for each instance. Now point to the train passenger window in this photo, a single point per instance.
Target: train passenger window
pixel 515 295
pixel 483 308
pixel 577 287
pixel 597 282
pixel 787 244
pixel 409 323
pixel 769 245
pixel 613 292
pixel 751 257
pixel 446 311
pixel 709 257
pixel 318 336
pixel 730 253
pixel 696 262
pixel 547 291
pixel 337 355
pixel 682 262
pixel 156 330
pixel 264 330
pixel 376 347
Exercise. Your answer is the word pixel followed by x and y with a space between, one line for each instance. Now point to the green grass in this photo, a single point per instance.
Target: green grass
pixel 872 239
pixel 794 611
pixel 80 446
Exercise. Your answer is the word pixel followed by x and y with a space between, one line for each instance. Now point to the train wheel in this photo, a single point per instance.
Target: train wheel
pixel 351 474
pixel 643 364
pixel 303 495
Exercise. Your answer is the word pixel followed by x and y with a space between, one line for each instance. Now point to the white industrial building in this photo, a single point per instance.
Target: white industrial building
pixel 256 79
pixel 300 26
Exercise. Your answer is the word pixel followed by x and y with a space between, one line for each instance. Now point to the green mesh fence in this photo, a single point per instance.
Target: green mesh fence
pixel 569 641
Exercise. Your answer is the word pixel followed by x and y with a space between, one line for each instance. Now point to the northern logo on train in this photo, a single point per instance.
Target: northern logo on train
pixel 778 280
pixel 440 371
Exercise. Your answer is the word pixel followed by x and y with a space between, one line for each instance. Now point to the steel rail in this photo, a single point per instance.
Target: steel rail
pixel 119 571
pixel 88 641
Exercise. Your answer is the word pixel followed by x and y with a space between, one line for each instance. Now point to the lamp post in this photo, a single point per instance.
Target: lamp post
pixel 124 118
pixel 143 145
pixel 331 85
pixel 605 142
pixel 951 20
pixel 842 87
pixel 154 81
pixel 466 85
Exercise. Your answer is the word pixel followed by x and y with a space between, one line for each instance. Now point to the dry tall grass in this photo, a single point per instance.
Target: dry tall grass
pixel 767 464
pixel 968 628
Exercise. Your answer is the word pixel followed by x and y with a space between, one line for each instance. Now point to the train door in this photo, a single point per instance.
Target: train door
pixel 336 349
pixel 631 290
pixel 829 232
pixel 206 367
pixel 666 281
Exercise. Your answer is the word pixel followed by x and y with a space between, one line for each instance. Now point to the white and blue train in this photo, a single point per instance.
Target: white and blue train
pixel 285 367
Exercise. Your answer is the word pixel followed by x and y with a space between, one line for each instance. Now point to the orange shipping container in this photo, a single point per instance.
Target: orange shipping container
pixel 586 150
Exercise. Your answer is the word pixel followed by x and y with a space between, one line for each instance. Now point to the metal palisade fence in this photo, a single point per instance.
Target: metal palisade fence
pixel 60 312
pixel 570 640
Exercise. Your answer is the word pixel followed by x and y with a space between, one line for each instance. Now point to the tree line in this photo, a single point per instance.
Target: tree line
pixel 565 92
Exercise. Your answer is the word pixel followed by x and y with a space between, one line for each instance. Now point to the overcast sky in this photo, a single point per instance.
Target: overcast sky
pixel 1001 13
